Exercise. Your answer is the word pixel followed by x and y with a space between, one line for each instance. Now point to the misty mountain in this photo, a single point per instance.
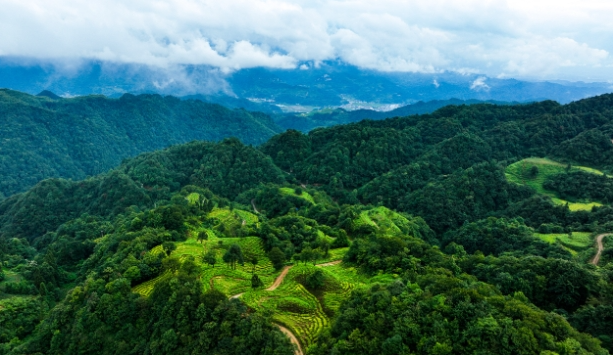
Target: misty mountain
pixel 328 117
pixel 330 84
pixel 43 137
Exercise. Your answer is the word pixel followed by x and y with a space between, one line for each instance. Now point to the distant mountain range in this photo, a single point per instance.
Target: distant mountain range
pixel 330 85
pixel 305 122
pixel 46 136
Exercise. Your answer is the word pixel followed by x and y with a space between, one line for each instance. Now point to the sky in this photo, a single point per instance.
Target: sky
pixel 539 40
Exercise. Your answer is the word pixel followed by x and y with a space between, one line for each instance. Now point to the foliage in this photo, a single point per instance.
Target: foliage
pixel 580 185
pixel 500 235
pixel 89 135
pixel 234 255
pixel 455 315
pixel 433 217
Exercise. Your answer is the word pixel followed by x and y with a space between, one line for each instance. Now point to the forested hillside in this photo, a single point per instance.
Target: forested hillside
pixel 47 136
pixel 464 231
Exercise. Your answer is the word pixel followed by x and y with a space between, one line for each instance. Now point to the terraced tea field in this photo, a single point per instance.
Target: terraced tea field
pixel 577 242
pixel 305 314
pixel 519 173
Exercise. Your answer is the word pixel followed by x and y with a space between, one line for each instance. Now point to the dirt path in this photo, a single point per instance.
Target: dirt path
pixel 274 286
pixel 211 281
pixel 279 279
pixel 600 247
pixel 292 338
pixel 254 208
pixel 331 263
pixel 288 333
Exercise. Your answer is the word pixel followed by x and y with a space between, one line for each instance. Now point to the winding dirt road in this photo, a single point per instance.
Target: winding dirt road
pixel 254 208
pixel 331 263
pixel 279 279
pixel 600 247
pixel 288 333
pixel 274 286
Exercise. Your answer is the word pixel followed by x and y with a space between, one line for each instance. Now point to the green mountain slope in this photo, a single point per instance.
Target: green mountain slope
pixel 44 137
pixel 418 235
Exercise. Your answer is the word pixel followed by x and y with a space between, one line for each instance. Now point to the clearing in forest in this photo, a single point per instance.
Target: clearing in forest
pixel 292 192
pixel 520 173
pixel 574 243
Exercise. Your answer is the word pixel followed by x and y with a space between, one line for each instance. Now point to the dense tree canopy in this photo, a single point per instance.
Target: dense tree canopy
pixel 74 138
pixel 422 211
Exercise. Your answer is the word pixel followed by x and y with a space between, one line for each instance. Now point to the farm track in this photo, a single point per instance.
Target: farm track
pixel 600 247
pixel 279 279
pixel 292 338
pixel 254 208
pixel 332 263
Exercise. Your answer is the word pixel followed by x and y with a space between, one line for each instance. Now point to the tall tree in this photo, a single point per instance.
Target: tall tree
pixel 234 255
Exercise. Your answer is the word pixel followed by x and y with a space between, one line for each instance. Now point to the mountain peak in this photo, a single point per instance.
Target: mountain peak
pixel 49 94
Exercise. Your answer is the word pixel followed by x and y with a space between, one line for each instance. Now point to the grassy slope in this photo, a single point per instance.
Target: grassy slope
pixel 304 195
pixel 518 173
pixel 579 241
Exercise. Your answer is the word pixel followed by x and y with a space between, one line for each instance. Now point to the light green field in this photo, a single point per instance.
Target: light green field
pixel 519 173
pixel 386 221
pixel 234 217
pixel 304 195
pixel 578 242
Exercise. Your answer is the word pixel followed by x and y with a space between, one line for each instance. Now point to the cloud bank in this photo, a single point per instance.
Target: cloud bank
pixel 522 39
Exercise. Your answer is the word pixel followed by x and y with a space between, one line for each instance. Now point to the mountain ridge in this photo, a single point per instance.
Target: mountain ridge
pixel 73 138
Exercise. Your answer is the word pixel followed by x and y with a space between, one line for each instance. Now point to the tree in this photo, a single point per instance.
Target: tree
pixel 315 280
pixel 305 255
pixel 324 246
pixel 256 282
pixel 169 247
pixel 132 273
pixel 210 258
pixel 202 236
pixel 341 241
pixel 234 255
pixel 316 255
pixel 534 171
pixel 42 289
pixel 189 267
pixel 253 260
pixel 171 264
pixel 277 257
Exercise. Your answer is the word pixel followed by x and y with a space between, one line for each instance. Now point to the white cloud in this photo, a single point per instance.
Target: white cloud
pixel 479 84
pixel 527 39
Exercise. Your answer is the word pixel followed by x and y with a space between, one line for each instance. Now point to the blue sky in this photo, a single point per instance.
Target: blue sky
pixel 571 40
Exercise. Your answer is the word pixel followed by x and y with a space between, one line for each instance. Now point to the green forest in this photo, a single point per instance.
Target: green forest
pixel 481 229
pixel 46 136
